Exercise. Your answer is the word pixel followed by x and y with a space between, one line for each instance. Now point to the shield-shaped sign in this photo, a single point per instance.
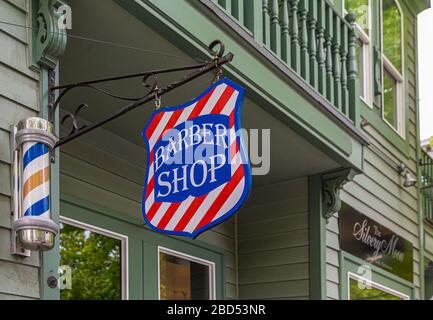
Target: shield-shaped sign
pixel 198 173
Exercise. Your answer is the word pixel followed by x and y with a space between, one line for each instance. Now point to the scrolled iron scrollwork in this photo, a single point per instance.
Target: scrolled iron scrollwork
pixel 149 80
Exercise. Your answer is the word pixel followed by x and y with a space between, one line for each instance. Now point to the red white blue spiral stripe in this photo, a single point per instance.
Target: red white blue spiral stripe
pixel 36 180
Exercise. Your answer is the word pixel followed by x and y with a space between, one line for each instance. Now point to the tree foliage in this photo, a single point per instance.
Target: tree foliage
pixel 95 263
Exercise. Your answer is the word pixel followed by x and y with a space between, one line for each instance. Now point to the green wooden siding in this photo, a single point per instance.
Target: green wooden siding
pixel 108 171
pixel 273 243
pixel 379 191
pixel 19 98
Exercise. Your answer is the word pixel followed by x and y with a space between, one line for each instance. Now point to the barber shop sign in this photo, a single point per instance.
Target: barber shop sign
pixel 197 170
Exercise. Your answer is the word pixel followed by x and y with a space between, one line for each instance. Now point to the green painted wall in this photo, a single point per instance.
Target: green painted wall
pixel 19 98
pixel 273 243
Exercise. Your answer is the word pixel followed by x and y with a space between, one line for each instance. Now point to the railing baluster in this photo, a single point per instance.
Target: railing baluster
pixel 329 60
pixel 227 5
pixel 275 28
pixel 266 23
pixel 352 66
pixel 294 35
pixel 285 33
pixel 321 23
pixel 303 12
pixel 253 19
pixel 337 61
pixel 312 46
pixel 238 10
pixel 344 92
pixel 312 38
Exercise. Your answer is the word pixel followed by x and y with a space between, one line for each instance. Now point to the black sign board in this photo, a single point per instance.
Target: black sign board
pixel 372 242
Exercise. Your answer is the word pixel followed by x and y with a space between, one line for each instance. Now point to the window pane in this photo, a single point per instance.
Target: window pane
pixel 181 279
pixel 360 8
pixel 95 264
pixel 428 279
pixel 390 105
pixel 392 23
pixel 359 291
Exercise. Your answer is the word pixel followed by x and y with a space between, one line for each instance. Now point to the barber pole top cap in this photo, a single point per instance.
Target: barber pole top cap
pixel 36 130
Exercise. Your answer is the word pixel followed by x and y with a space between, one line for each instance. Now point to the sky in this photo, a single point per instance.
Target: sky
pixel 425 63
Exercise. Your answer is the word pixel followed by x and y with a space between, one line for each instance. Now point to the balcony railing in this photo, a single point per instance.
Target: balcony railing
pixel 426 165
pixel 310 37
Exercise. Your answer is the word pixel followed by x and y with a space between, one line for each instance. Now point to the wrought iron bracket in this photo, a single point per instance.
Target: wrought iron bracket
pixel 332 183
pixel 150 82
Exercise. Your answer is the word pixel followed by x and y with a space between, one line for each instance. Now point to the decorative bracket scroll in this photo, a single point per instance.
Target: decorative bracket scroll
pixel 49 40
pixel 152 91
pixel 332 183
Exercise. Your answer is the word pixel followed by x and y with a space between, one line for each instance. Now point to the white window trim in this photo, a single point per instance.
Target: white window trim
pixel 373 284
pixel 398 77
pixel 124 254
pixel 367 54
pixel 210 264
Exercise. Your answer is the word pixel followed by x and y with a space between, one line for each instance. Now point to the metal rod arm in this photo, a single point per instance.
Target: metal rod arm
pixel 217 63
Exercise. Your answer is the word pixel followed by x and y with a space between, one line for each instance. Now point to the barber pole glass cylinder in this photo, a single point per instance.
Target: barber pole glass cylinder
pixel 34 141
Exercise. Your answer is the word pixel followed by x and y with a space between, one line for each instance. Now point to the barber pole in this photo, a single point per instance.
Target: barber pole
pixel 34 228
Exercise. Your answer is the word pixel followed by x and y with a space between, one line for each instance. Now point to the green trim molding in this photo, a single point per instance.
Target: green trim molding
pixel 317 240
pixel 47 43
pixel 332 183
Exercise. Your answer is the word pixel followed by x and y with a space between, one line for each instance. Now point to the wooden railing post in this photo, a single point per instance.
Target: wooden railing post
pixel 275 28
pixel 305 63
pixel 253 19
pixel 294 35
pixel 337 61
pixel 344 52
pixel 312 46
pixel 329 60
pixel 285 32
pixel 238 10
pixel 266 23
pixel 321 24
pixel 352 66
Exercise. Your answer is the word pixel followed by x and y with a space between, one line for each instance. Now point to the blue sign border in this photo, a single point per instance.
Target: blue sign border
pixel 244 156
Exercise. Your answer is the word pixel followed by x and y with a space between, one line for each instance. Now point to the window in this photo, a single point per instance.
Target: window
pixel 93 261
pixel 362 289
pixel 428 279
pixel 392 51
pixel 183 277
pixel 363 17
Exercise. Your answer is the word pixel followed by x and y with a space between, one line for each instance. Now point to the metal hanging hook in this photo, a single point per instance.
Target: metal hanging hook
pixel 220 52
pixel 157 99
pixel 217 54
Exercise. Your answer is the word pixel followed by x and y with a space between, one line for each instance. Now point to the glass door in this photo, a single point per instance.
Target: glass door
pixel 93 262
pixel 184 277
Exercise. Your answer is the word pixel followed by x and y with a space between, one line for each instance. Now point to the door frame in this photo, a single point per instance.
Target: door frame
pixel 143 246
pixel 351 265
